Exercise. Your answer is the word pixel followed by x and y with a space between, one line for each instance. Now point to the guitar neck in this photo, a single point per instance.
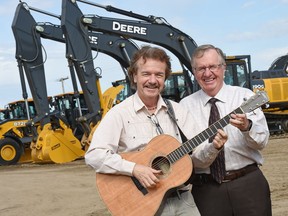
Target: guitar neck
pixel 189 145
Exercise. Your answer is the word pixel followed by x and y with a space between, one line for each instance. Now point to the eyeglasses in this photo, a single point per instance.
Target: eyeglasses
pixel 155 121
pixel 212 68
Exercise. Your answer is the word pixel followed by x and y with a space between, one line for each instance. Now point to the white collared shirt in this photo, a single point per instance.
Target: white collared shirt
pixel 242 148
pixel 126 127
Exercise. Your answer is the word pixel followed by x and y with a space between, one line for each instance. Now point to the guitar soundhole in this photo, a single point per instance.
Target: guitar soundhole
pixel 161 163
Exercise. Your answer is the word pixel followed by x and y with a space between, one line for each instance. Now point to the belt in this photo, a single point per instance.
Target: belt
pixel 200 179
pixel 231 175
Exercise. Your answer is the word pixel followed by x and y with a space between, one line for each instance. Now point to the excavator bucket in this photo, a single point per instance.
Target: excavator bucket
pixel 58 146
pixel 26 156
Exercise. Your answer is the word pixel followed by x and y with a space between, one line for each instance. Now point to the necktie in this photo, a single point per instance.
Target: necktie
pixel 217 168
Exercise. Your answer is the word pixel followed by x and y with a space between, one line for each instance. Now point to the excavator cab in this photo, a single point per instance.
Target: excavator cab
pixel 280 63
pixel 68 108
pixel 238 71
pixel 3 114
pixel 176 87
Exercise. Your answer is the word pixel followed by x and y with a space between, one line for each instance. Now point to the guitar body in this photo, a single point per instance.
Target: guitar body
pixel 119 192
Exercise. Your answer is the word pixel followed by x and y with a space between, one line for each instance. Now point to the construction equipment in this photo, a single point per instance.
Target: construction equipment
pixel 15 136
pixel 4 114
pixel 275 82
pixel 67 104
pixel 117 47
pixel 154 30
pixel 157 30
pixel 149 29
pixel 80 55
pixel 280 63
pixel 54 141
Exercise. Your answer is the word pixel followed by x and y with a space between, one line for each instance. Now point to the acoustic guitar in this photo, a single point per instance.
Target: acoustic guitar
pixel 124 195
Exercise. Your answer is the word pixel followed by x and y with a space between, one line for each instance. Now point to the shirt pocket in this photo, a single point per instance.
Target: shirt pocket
pixel 136 135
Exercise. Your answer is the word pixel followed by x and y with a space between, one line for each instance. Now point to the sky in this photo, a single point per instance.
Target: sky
pixel 254 27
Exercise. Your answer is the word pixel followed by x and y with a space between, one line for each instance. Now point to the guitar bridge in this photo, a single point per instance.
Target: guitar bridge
pixel 140 187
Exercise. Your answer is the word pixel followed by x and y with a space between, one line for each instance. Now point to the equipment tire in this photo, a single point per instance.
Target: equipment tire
pixel 10 151
pixel 284 125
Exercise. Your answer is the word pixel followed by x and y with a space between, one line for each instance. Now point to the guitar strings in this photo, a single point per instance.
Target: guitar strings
pixel 189 142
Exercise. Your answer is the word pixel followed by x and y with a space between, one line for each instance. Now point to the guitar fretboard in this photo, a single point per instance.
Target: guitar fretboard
pixel 189 145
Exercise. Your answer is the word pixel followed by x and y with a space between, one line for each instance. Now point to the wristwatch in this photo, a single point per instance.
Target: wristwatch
pixel 250 125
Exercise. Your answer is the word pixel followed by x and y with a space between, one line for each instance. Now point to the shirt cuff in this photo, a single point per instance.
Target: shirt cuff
pixel 212 151
pixel 128 167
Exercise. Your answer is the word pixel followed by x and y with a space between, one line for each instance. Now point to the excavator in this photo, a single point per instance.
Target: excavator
pixel 71 24
pixel 156 30
pixel 149 29
pixel 80 55
pixel 114 46
pixel 53 140
pixel 275 82
pixel 118 48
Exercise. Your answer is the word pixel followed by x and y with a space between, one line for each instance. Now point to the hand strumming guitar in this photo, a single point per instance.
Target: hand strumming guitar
pixel 147 176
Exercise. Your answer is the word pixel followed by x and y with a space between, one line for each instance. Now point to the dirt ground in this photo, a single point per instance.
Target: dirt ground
pixel 69 189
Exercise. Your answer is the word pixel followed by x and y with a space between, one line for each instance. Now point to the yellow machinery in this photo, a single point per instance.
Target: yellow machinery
pixel 109 100
pixel 18 142
pixel 72 111
pixel 277 111
pixel 57 145
pixel 54 139
pixel 15 137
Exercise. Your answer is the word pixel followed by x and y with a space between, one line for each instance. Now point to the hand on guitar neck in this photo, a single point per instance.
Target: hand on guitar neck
pixel 220 139
pixel 240 121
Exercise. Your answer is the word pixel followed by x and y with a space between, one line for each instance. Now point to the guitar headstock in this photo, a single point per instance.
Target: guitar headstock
pixel 260 98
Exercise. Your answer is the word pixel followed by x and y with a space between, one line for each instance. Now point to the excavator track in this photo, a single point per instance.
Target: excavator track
pixel 277 123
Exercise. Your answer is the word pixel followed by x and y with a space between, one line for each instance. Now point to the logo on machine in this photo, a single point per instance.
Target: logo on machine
pixel 259 87
pixel 56 146
pixel 20 123
pixel 93 40
pixel 129 28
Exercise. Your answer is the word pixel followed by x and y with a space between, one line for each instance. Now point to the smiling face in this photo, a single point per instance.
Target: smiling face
pixel 149 79
pixel 209 71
